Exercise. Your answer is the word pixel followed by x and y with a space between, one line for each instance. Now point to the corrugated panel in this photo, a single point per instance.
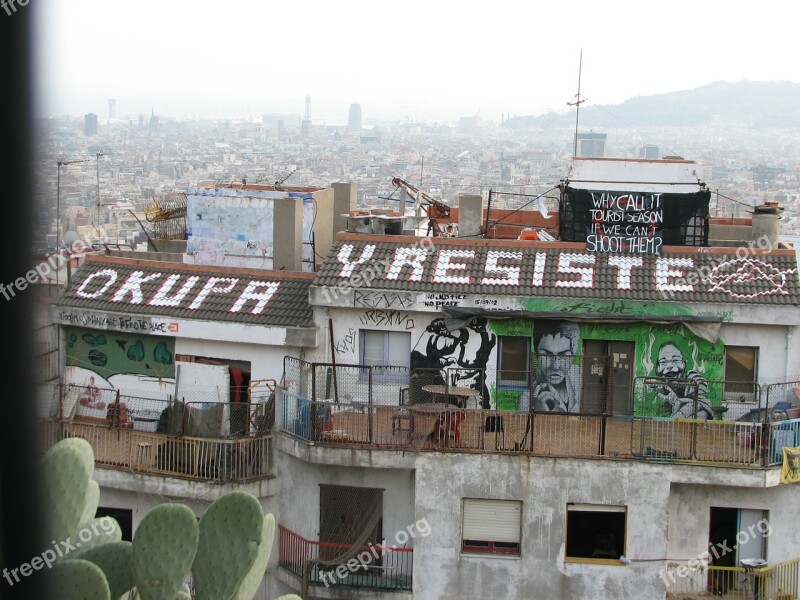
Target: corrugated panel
pixel 491 520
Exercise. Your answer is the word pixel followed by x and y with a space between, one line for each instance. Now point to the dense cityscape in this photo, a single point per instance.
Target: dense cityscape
pixel 123 164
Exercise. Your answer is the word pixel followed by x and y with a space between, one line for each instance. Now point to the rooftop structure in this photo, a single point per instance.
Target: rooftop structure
pixel 598 411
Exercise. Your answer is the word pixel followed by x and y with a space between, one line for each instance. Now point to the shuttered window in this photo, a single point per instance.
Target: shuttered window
pixel 491 526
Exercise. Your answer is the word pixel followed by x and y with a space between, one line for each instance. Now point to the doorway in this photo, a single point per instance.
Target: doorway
pixel 736 534
pixel 608 376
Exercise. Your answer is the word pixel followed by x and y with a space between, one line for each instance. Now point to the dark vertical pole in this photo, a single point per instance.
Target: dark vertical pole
pixel 21 519
pixel 333 361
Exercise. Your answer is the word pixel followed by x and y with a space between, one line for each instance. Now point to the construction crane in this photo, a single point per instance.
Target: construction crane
pixel 438 212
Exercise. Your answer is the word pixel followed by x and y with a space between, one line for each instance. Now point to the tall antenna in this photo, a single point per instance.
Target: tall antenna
pixel 576 102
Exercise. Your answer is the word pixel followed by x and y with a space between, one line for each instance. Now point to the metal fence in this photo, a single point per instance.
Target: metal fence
pixel 212 460
pixel 377 567
pixel 439 426
pixel 693 581
pixel 167 415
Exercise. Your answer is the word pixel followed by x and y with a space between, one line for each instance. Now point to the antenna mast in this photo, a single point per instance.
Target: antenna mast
pixel 577 101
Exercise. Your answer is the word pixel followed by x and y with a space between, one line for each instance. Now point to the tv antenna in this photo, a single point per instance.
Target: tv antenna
pixel 576 101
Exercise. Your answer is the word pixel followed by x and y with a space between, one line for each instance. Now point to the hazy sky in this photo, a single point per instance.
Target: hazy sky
pixel 425 59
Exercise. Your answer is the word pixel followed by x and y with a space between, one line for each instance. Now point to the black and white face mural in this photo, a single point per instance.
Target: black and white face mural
pixel 557 383
pixel 678 397
pixel 462 355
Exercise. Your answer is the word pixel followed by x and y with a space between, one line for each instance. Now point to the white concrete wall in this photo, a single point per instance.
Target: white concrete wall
pixel 544 486
pixel 266 362
pixel 690 508
pixel 299 496
pixel 774 364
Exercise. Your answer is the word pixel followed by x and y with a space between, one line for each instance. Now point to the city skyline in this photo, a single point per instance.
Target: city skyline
pixel 432 62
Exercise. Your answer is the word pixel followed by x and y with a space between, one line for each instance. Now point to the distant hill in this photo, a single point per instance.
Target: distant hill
pixel 745 103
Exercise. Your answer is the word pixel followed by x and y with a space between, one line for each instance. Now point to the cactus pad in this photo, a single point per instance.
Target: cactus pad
pixel 230 534
pixel 164 548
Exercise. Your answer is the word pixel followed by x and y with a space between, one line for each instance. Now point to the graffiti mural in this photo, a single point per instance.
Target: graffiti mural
pixel 668 352
pixel 557 376
pixel 462 353
pixel 110 353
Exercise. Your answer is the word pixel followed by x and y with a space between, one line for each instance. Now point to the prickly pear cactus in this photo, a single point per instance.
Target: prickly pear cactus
pixel 252 579
pixel 114 559
pixel 69 493
pixel 164 548
pixel 75 579
pixel 227 552
pixel 230 534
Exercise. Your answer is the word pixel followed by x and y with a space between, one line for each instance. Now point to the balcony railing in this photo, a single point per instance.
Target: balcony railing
pixel 693 581
pixel 375 567
pixel 216 442
pixel 211 460
pixel 404 427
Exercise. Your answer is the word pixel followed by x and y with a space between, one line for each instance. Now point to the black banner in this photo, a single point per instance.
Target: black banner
pixel 633 222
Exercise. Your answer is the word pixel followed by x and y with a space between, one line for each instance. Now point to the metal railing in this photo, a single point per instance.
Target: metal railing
pixel 204 419
pixel 377 567
pixel 438 427
pixel 212 460
pixel 690 581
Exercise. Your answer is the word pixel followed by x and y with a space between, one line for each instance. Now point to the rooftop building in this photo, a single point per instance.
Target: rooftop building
pixel 574 400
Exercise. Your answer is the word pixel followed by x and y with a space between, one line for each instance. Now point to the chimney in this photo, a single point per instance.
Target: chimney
pixel 287 234
pixel 767 225
pixel 469 215
pixel 345 199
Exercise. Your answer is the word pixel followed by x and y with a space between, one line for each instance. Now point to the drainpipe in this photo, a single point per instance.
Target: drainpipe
pixel 789 331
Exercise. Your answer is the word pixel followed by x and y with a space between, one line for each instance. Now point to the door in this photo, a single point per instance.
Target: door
pixel 622 377
pixel 594 398
pixel 737 534
pixel 608 364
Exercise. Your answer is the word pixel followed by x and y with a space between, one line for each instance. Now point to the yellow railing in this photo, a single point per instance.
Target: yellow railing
pixel 773 582
pixel 205 459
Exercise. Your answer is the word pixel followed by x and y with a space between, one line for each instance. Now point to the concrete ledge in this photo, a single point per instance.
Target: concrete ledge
pixel 180 488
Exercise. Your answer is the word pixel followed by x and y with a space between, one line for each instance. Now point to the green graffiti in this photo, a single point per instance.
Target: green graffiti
pixel 126 355
pixel 136 351
pixel 161 354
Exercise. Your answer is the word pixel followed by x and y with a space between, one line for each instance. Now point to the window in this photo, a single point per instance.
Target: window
pixel 595 532
pixel 740 365
pixel 123 516
pixel 512 360
pixel 385 349
pixel 491 526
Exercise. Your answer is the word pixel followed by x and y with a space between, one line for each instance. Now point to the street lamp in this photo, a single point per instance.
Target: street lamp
pixel 61 163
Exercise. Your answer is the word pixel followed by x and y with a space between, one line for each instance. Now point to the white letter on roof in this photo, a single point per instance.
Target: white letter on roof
pixel 664 274
pixel 211 286
pixel 112 277
pixel 250 294
pixel 625 265
pixel 133 284
pixel 587 273
pixel 161 299
pixel 510 273
pixel 441 274
pixel 344 258
pixel 408 256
